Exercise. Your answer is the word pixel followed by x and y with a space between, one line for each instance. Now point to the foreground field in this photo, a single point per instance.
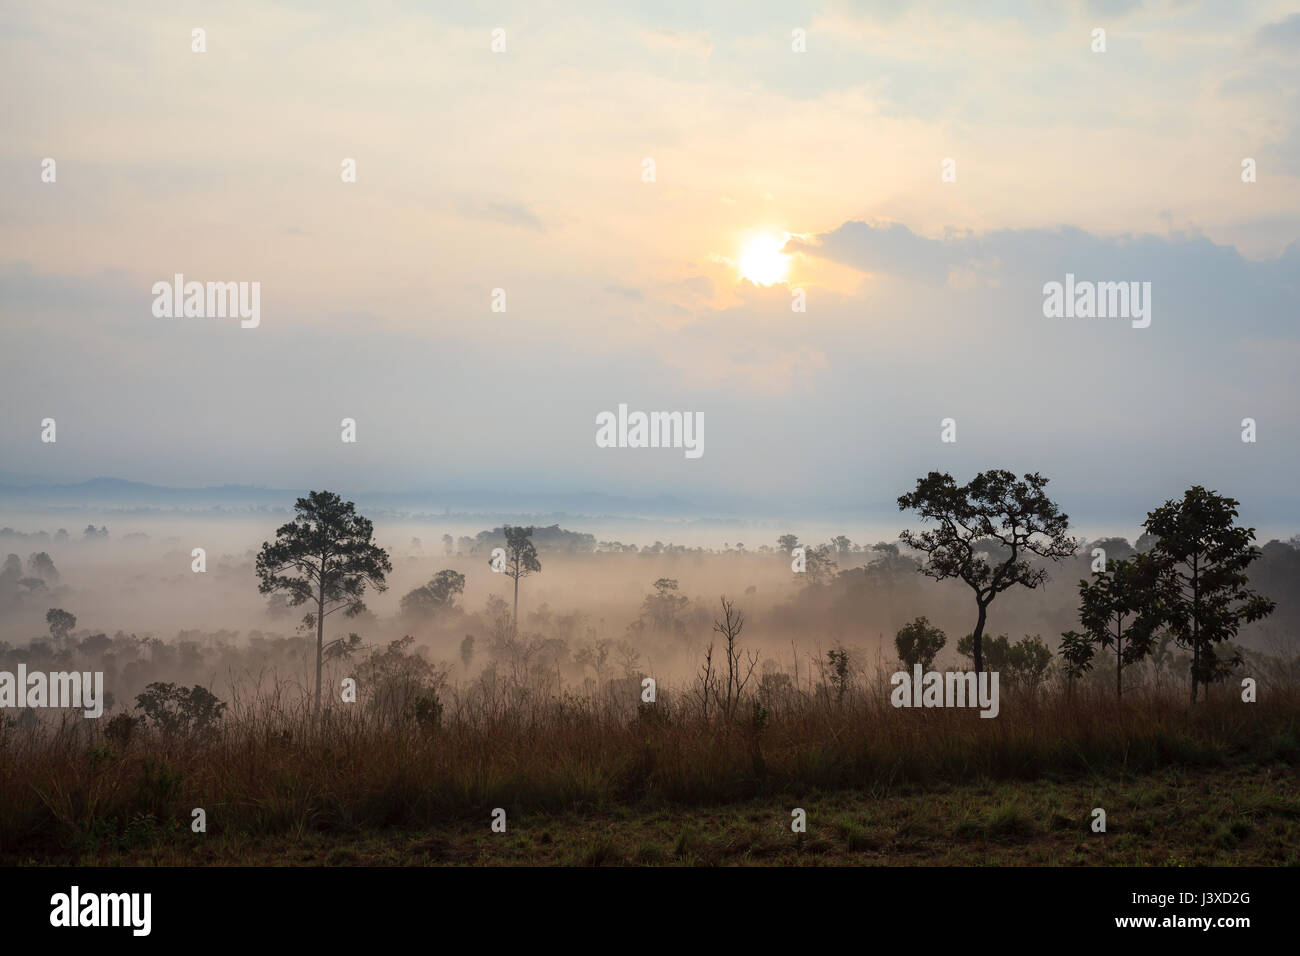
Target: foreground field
pixel 1225 817
pixel 588 781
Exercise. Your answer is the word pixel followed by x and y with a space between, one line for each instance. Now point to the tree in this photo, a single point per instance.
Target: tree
pixel 1024 663
pixel 730 626
pixel 890 568
pixel 435 597
pixel 521 559
pixel 61 623
pixel 40 565
pixel 1027 661
pixel 1015 514
pixel 919 643
pixel 326 555
pixel 661 610
pixel 1145 542
pixel 179 710
pixel 1127 593
pixel 708 682
pixel 342 648
pixel 996 648
pixel 787 542
pixel 837 659
pixel 1201 557
pixel 819 566
pixel 400 685
pixel 1114 547
pixel 1077 650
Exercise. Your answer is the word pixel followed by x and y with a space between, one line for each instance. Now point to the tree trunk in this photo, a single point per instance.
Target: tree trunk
pixel 1119 662
pixel 516 605
pixel 1196 625
pixel 320 643
pixel 979 639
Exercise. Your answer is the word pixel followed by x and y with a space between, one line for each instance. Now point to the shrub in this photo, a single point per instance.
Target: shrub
pixel 120 728
pixel 919 643
pixel 179 710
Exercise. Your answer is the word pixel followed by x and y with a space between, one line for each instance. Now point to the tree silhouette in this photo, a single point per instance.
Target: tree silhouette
pixel 918 642
pixel 1201 557
pixel 42 566
pixel 1014 515
pixel 819 566
pixel 739 668
pixel 1120 607
pixel 1023 663
pixel 661 609
pixel 521 559
pixel 326 556
pixel 179 710
pixel 61 623
pixel 435 597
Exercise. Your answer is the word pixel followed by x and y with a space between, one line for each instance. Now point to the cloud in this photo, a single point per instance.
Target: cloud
pixel 505 213
pixel 1187 266
pixel 884 248
pixel 1281 37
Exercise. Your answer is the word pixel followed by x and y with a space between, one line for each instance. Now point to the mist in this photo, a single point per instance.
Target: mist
pixel 592 615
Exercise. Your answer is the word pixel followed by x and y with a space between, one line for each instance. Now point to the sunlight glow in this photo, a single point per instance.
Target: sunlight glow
pixel 761 260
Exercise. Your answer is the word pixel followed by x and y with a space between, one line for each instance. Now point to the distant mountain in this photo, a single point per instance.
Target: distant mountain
pixel 121 494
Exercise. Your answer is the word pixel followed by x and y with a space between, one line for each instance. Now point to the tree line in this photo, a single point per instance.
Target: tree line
pixel 992 533
pixel 1190 583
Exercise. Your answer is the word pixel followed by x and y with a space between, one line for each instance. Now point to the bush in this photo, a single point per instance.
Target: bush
pixel 919 643
pixel 1024 663
pixel 120 728
pixel 426 709
pixel 179 710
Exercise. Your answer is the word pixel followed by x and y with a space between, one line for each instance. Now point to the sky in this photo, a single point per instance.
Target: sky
pixel 525 170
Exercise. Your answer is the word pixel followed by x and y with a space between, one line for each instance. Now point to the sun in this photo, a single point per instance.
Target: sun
pixel 761 260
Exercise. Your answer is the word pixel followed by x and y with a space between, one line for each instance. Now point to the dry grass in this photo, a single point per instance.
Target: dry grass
pixel 264 774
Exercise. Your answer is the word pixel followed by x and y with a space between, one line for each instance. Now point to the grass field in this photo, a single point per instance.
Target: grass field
pixel 584 785
pixel 1222 817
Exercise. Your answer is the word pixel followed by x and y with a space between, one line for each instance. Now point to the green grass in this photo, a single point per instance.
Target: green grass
pixel 1204 817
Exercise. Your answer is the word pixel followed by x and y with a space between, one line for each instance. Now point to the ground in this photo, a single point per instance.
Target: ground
pixel 1229 816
